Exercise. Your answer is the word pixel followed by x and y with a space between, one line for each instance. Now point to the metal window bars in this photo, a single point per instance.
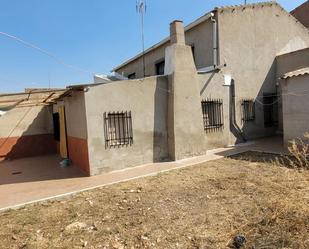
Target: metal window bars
pixel 118 129
pixel 248 110
pixel 212 115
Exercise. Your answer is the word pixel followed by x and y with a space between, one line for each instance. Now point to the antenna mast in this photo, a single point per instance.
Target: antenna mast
pixel 141 9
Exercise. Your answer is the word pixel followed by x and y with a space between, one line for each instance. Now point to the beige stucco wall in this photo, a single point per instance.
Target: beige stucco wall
pixel 295 107
pixel 249 41
pixel 147 101
pixel 292 61
pixel 287 63
pixel 212 87
pixel 75 111
pixel 26 121
pixel 200 36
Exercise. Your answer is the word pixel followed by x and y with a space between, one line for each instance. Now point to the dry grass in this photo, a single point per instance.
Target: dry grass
pixel 299 150
pixel 203 206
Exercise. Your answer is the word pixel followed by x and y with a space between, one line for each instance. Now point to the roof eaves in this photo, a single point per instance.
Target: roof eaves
pixel 300 72
pixel 164 41
pixel 250 5
pixel 293 52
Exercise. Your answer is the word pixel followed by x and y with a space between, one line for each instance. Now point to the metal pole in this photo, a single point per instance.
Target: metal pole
pixel 143 41
pixel 141 8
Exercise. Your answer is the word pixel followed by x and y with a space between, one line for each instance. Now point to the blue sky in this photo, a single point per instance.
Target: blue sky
pixel 94 35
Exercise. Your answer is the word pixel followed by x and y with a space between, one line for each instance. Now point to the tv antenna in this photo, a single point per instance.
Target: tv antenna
pixel 141 8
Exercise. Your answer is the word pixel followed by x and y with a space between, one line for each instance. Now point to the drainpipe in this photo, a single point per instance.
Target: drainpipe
pixel 215 47
pixel 215 39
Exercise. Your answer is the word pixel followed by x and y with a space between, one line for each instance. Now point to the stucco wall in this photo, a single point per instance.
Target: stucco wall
pixel 292 61
pixel 295 107
pixel 76 127
pixel 250 38
pixel 26 131
pixel 211 87
pixel 147 101
pixel 287 63
pixel 200 36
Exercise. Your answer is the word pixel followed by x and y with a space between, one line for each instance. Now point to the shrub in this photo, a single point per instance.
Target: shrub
pixel 299 150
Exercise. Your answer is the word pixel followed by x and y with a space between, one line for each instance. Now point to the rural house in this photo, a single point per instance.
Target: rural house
pixel 214 83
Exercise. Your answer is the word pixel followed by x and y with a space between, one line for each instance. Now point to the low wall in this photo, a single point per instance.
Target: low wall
pixel 147 101
pixel 26 132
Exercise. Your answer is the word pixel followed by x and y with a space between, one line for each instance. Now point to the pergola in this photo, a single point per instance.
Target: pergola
pixel 31 97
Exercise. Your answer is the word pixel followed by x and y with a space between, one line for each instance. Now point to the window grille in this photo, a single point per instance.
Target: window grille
pixel 212 115
pixel 118 129
pixel 248 110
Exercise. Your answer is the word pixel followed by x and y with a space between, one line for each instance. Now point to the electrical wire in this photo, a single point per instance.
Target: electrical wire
pixel 45 52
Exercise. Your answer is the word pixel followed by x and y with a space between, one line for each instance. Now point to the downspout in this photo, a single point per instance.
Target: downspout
pixel 215 39
pixel 215 47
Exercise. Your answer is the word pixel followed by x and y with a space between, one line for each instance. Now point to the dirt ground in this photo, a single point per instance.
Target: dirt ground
pixel 203 206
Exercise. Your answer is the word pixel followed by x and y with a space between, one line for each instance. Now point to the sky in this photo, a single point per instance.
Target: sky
pixel 91 35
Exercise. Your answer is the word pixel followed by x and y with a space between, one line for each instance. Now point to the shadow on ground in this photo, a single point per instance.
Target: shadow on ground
pixel 34 169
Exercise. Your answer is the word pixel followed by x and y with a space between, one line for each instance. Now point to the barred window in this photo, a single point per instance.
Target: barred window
pixel 248 110
pixel 212 115
pixel 118 129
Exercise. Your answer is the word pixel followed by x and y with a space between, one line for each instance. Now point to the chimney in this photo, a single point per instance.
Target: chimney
pixel 177 33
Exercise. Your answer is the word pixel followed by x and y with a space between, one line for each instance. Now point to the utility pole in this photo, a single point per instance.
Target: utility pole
pixel 141 9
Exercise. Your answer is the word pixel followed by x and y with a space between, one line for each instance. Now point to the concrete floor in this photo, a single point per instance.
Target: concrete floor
pixel 36 179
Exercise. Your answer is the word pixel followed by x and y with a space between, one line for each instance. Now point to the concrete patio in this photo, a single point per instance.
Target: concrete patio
pixel 30 180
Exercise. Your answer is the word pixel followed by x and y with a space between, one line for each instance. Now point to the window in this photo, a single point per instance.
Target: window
pixel 212 115
pixel 248 110
pixel 270 106
pixel 56 124
pixel 160 68
pixel 132 76
pixel 118 129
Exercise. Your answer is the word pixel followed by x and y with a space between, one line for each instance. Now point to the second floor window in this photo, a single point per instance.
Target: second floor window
pixel 160 68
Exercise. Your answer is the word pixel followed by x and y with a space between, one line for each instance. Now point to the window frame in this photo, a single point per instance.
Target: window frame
pixel 118 130
pixel 248 110
pixel 157 67
pixel 213 119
